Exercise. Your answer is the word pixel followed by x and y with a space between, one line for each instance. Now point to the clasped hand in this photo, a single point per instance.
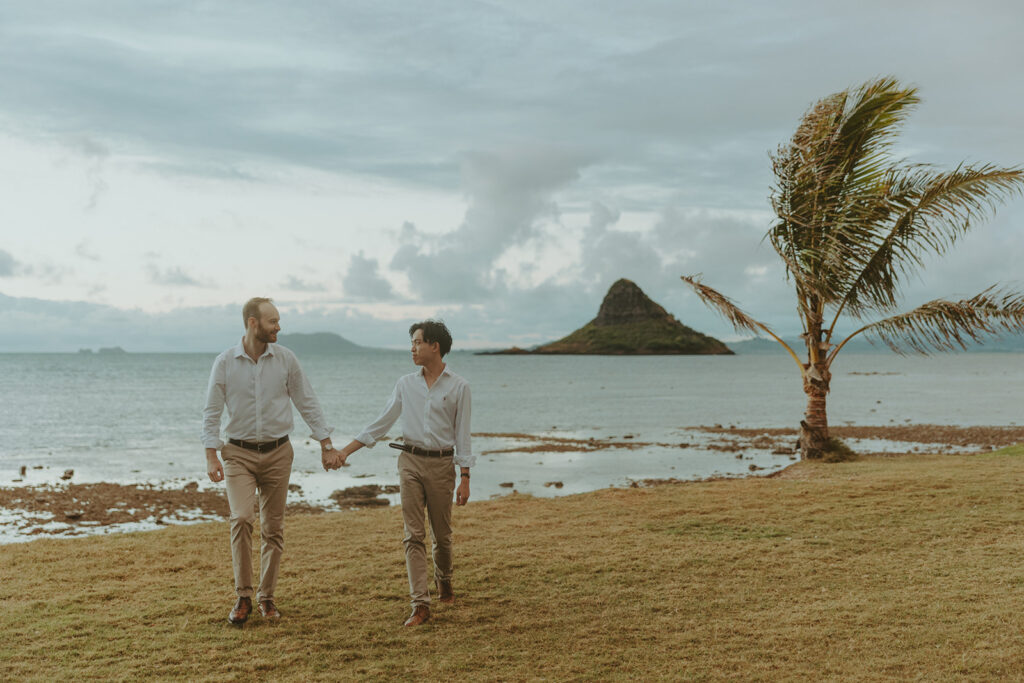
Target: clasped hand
pixel 332 459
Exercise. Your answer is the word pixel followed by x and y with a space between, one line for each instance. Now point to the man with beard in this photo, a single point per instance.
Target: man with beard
pixel 258 380
pixel 434 404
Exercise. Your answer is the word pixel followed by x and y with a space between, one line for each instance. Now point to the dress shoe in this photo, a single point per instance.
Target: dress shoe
pixel 445 592
pixel 419 616
pixel 269 611
pixel 240 613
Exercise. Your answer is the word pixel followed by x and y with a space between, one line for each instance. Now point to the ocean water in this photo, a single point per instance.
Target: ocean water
pixel 136 418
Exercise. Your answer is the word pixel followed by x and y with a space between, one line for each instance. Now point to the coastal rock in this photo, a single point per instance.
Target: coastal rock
pixel 368 495
pixel 627 324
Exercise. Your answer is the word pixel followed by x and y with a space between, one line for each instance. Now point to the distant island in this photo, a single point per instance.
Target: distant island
pixel 629 324
pixel 319 342
pixel 106 350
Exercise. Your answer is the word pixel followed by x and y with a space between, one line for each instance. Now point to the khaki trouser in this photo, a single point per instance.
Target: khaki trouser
pixel 426 482
pixel 246 471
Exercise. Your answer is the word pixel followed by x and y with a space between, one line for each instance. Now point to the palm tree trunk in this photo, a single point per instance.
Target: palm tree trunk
pixel 814 426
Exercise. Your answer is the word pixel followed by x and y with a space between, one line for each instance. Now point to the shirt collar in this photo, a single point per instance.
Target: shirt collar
pixel 422 372
pixel 240 350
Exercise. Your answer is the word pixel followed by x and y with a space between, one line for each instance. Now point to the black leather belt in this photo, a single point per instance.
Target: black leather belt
pixel 259 447
pixel 416 450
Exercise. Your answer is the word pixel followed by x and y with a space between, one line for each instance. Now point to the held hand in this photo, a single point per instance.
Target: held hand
pixel 462 493
pixel 340 458
pixel 333 459
pixel 327 458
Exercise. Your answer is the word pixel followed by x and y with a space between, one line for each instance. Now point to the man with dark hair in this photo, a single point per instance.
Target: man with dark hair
pixel 258 380
pixel 434 404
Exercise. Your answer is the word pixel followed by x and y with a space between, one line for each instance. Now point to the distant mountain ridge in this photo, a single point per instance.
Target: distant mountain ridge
pixel 761 346
pixel 629 323
pixel 318 342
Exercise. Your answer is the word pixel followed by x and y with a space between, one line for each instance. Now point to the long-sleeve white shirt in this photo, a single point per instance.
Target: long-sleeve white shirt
pixel 258 396
pixel 435 418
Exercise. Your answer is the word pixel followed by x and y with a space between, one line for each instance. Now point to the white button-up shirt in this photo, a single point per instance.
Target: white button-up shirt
pixel 435 418
pixel 258 396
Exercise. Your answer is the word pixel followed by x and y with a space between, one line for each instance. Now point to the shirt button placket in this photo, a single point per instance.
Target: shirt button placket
pixel 257 390
pixel 426 419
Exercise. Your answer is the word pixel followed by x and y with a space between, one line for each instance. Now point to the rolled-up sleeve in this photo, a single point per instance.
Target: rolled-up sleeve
pixel 385 421
pixel 463 443
pixel 214 408
pixel 305 400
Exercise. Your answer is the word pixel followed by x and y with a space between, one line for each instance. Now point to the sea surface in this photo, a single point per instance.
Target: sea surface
pixel 136 418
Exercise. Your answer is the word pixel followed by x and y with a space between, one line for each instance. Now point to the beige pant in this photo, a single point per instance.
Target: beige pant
pixel 246 471
pixel 426 482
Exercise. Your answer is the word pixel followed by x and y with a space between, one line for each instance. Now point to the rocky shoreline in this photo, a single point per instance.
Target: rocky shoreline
pixel 67 509
pixel 79 509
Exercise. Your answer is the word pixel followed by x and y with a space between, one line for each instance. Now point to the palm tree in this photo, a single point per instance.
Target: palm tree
pixel 853 223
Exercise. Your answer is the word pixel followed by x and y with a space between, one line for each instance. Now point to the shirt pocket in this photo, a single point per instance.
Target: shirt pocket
pixel 450 404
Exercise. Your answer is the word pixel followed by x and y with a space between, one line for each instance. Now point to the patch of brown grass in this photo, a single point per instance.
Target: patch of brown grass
pixel 905 568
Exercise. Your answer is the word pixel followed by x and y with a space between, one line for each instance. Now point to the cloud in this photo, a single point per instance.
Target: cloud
pixel 609 254
pixel 643 86
pixel 48 273
pixel 96 155
pixel 63 326
pixel 84 250
pixel 39 325
pixel 173 276
pixel 294 284
pixel 578 119
pixel 509 193
pixel 363 281
pixel 9 266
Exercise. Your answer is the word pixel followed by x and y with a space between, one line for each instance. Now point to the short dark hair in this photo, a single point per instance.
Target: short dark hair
pixel 251 309
pixel 434 331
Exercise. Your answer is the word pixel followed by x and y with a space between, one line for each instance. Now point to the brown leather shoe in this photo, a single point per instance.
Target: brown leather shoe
pixel 240 612
pixel 269 611
pixel 419 616
pixel 445 592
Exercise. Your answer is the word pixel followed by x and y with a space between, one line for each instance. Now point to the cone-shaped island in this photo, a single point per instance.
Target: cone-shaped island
pixel 629 323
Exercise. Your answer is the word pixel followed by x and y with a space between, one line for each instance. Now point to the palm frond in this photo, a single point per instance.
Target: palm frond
pixel 830 183
pixel 870 125
pixel 741 322
pixel 931 211
pixel 942 325
pixel 717 301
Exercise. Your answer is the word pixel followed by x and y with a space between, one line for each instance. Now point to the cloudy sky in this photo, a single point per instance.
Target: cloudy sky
pixel 497 164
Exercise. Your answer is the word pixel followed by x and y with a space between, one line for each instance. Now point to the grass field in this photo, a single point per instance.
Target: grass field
pixel 895 568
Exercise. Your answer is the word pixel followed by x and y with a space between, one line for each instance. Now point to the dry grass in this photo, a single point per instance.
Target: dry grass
pixel 884 568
